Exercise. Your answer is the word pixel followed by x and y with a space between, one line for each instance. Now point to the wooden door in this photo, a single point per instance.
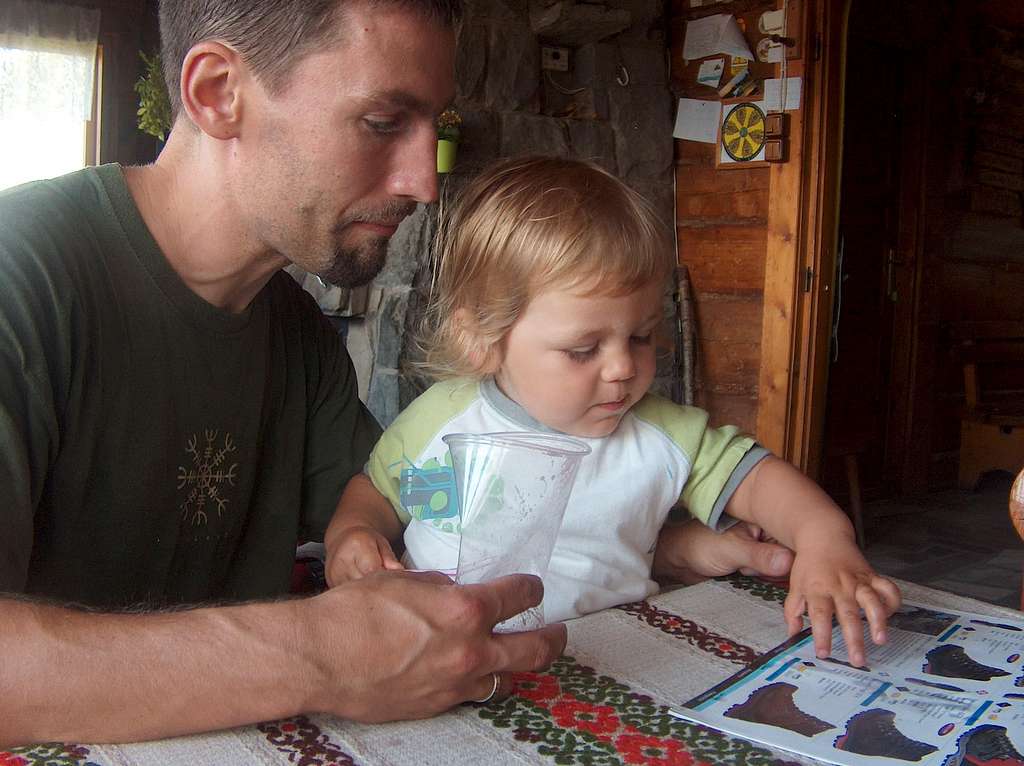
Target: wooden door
pixel 865 401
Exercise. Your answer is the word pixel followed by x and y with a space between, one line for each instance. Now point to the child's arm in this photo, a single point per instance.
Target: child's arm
pixel 358 539
pixel 829 576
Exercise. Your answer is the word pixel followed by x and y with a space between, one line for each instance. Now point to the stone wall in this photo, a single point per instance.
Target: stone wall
pixel 613 106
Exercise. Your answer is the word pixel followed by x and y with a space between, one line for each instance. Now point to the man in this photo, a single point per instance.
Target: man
pixel 175 414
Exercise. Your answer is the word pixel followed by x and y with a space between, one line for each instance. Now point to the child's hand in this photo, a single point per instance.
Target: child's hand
pixel 358 552
pixel 834 578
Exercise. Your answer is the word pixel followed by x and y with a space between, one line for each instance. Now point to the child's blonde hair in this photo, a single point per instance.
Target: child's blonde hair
pixel 525 225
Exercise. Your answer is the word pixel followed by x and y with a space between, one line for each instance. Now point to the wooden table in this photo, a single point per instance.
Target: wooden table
pixel 604 702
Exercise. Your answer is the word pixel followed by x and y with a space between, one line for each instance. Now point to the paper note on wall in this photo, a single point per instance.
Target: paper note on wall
pixel 697 120
pixel 773 94
pixel 711 73
pixel 714 34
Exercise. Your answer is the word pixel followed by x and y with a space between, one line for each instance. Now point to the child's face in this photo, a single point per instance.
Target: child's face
pixel 578 362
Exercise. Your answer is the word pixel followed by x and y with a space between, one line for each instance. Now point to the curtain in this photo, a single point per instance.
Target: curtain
pixel 47 65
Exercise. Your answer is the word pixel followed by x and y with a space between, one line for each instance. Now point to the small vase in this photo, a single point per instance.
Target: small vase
pixel 1017 517
pixel 446 155
pixel 1017 504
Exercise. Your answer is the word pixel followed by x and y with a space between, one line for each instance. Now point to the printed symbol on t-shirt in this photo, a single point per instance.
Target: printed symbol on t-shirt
pixel 207 477
pixel 429 492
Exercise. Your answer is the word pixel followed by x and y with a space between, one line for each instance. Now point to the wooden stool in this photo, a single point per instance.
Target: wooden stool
pixel 992 423
pixel 849 453
pixel 856 506
pixel 988 445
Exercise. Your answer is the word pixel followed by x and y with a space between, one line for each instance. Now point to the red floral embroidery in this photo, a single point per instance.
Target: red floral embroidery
pixel 10 759
pixel 597 719
pixel 536 687
pixel 579 716
pixel 652 751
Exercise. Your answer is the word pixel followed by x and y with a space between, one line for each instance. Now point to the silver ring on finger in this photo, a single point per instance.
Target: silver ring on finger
pixel 494 690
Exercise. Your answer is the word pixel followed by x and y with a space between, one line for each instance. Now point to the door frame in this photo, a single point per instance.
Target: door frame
pixel 801 259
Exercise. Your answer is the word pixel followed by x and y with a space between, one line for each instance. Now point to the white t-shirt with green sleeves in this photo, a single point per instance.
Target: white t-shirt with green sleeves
pixel 660 456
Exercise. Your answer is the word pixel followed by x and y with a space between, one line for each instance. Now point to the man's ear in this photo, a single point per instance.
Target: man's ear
pixel 211 92
pixel 485 357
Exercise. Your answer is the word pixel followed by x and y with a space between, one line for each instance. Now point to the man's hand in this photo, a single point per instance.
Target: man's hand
pixel 834 578
pixel 357 552
pixel 690 552
pixel 399 645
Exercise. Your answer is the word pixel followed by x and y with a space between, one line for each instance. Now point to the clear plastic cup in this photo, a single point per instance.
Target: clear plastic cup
pixel 513 488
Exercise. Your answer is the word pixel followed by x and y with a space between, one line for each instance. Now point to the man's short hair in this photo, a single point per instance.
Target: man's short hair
pixel 271 35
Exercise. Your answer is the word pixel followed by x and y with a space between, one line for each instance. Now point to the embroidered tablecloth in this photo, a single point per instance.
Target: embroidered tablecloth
pixel 604 702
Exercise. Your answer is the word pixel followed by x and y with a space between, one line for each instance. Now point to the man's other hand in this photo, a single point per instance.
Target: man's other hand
pixel 690 552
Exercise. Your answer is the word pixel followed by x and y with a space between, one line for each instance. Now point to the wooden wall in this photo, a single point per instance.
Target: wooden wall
pixel 748 235
pixel 722 229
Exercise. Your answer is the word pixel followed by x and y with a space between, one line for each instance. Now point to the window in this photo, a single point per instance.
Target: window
pixel 48 78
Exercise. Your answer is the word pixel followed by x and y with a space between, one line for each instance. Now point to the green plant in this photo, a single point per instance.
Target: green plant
pixel 448 125
pixel 154 105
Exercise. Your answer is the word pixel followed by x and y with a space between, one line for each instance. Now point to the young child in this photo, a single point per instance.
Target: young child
pixel 548 297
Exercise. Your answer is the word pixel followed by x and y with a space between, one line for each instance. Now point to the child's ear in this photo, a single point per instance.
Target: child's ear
pixel 485 357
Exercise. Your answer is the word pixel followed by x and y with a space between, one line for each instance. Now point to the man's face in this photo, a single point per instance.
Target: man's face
pixel 338 158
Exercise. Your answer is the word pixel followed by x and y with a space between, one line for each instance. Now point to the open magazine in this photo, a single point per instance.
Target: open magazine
pixel 947 689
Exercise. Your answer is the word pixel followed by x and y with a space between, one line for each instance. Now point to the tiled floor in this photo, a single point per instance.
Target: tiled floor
pixel 956 541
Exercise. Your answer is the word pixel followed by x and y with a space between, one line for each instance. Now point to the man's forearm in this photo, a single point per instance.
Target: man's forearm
pixel 87 677
pixel 674 554
pixel 390 646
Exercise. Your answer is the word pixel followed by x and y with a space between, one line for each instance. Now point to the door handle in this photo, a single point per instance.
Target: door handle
pixel 891 262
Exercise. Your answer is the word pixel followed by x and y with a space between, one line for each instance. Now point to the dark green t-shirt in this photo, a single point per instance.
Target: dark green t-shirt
pixel 154 448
